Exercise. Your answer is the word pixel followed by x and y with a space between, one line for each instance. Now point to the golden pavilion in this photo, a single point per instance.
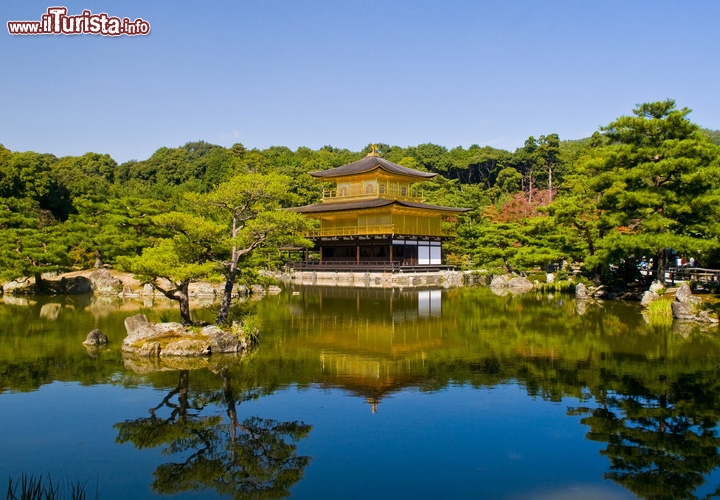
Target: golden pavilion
pixel 373 219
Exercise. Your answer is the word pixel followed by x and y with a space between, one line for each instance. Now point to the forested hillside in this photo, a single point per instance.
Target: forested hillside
pixel 644 183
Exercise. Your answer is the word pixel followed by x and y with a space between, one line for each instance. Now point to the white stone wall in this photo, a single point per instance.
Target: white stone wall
pixel 445 279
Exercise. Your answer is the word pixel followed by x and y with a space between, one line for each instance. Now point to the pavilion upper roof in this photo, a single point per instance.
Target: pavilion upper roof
pixel 372 203
pixel 369 163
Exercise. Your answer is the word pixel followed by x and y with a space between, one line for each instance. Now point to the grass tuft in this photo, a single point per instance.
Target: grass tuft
pixel 659 313
pixel 40 488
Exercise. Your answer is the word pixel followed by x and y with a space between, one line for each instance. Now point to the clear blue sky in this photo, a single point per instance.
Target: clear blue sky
pixel 343 73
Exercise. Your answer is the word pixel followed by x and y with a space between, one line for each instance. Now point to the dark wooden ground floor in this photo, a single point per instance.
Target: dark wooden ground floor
pixel 373 253
pixel 366 266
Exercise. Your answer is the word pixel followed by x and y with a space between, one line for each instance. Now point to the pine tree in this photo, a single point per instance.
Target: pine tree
pixel 654 186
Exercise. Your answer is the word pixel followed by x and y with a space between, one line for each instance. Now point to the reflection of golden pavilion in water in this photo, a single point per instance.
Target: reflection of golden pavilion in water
pixel 375 344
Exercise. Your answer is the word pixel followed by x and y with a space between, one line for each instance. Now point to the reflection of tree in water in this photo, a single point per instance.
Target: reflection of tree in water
pixel 252 459
pixel 660 446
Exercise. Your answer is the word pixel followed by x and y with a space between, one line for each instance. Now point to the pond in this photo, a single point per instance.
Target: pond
pixel 368 393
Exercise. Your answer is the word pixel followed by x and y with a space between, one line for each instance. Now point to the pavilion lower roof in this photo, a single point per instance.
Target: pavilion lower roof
pixel 372 203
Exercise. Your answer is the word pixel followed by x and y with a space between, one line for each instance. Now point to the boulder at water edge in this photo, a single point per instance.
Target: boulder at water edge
pixel 95 338
pixel 581 291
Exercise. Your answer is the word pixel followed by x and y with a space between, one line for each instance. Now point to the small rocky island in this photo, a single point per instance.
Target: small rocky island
pixel 147 339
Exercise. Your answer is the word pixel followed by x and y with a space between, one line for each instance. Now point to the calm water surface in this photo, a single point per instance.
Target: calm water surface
pixel 356 393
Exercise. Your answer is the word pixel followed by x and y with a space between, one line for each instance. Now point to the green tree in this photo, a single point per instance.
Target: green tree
pixel 32 241
pixel 548 158
pixel 575 210
pixel 538 162
pixel 477 165
pixel 196 166
pixel 214 232
pixel 714 135
pixel 172 264
pixel 508 182
pixel 432 157
pixel 88 176
pixel 656 185
pixel 101 231
pixel 516 232
pixel 30 175
pixel 525 161
pixel 248 209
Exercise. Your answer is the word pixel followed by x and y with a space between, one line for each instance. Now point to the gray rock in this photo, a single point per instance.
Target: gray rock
pixel 55 287
pixel 684 294
pixel 186 347
pixel 20 286
pixel 684 310
pixel 707 317
pixel 26 286
pixel 499 281
pixel 657 287
pixel 550 278
pixel 211 330
pixel 203 290
pixel 688 307
pixel 149 350
pixel 138 328
pixel 96 337
pixel 648 297
pixel 601 293
pixel 581 291
pixel 133 323
pixel 274 290
pixel 257 290
pixel 103 283
pixel 223 342
pixel 170 329
pixel 510 284
pixel 77 285
pixel 520 282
